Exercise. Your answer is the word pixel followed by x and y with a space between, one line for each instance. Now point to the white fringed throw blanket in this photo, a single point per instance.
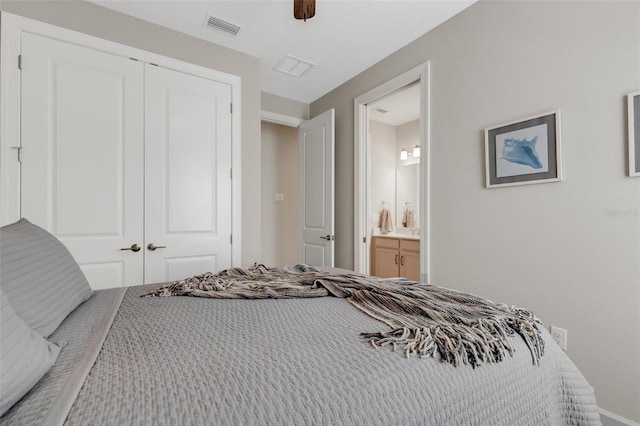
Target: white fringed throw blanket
pixel 425 319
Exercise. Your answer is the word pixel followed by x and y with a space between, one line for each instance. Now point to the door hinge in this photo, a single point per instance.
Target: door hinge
pixel 19 148
pixel 231 108
pixel 364 239
pixel 230 173
pixel 20 62
pixel 230 238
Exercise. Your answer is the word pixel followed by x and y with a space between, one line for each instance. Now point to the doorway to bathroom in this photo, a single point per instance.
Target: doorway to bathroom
pixel 391 178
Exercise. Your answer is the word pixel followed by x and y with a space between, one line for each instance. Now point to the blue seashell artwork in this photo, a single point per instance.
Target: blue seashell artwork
pixel 521 151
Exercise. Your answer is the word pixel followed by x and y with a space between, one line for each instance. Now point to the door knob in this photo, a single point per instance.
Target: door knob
pixel 134 247
pixel 152 247
pixel 329 237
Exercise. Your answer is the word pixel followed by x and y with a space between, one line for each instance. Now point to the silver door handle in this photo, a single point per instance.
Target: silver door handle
pixel 329 237
pixel 152 247
pixel 134 247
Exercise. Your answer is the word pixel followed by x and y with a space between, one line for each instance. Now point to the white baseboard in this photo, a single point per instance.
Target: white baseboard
pixel 610 419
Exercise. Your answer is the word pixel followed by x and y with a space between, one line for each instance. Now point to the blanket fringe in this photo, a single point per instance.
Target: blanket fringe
pixel 485 341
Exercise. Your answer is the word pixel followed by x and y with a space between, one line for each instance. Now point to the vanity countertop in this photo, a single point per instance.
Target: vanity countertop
pixel 398 236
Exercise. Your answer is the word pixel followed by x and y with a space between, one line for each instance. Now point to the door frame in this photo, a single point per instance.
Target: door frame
pixel 361 192
pixel 11 29
pixel 281 119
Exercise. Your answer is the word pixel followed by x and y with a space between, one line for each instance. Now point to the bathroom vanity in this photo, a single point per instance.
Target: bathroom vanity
pixel 395 256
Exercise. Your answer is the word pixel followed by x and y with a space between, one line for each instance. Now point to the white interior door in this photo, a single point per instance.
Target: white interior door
pixel 82 162
pixel 316 138
pixel 187 175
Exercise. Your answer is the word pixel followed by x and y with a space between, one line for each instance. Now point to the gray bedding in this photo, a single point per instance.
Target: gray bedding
pixel 183 360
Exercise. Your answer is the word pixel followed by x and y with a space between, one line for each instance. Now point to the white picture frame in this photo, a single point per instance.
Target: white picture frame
pixel 633 108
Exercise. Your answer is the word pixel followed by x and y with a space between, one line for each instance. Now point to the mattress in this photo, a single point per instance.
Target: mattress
pixel 187 360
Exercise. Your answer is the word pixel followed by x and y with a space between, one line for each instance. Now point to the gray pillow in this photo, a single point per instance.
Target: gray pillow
pixel 25 356
pixel 39 276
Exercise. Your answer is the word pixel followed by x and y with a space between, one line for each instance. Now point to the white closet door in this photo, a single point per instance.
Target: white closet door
pixel 82 143
pixel 187 175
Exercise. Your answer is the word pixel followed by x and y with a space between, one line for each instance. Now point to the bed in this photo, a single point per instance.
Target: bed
pixel 119 358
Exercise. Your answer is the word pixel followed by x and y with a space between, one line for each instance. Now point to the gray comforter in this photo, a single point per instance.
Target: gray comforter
pixel 183 360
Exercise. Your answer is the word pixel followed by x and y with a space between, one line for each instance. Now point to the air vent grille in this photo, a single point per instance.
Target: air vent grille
pixel 221 25
pixel 293 66
pixel 381 110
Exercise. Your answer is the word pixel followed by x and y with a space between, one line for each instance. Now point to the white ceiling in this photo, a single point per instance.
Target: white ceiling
pixel 401 106
pixel 343 39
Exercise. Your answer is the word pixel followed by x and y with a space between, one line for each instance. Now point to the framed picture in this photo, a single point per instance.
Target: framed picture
pixel 634 133
pixel 524 151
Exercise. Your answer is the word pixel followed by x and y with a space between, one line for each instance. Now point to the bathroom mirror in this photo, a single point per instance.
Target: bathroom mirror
pixel 408 196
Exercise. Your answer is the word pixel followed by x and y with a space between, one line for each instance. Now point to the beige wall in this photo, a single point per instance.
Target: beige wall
pixel 97 21
pixel 280 219
pixel 284 106
pixel 569 251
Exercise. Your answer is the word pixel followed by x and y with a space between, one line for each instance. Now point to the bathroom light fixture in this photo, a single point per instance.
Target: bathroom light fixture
pixel 416 151
pixel 404 154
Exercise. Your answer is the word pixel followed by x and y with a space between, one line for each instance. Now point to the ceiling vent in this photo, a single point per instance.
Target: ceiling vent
pixel 221 25
pixel 381 110
pixel 291 65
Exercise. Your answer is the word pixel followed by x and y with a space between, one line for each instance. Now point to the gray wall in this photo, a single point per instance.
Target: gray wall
pixel 570 251
pixel 91 19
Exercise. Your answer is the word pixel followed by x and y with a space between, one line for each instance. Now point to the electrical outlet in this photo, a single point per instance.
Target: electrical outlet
pixel 560 336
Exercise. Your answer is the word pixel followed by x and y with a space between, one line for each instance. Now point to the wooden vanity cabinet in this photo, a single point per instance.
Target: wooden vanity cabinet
pixel 385 259
pixel 410 259
pixel 395 257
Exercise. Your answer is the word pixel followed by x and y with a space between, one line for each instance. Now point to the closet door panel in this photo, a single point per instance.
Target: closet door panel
pixel 187 175
pixel 82 141
pixel 190 162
